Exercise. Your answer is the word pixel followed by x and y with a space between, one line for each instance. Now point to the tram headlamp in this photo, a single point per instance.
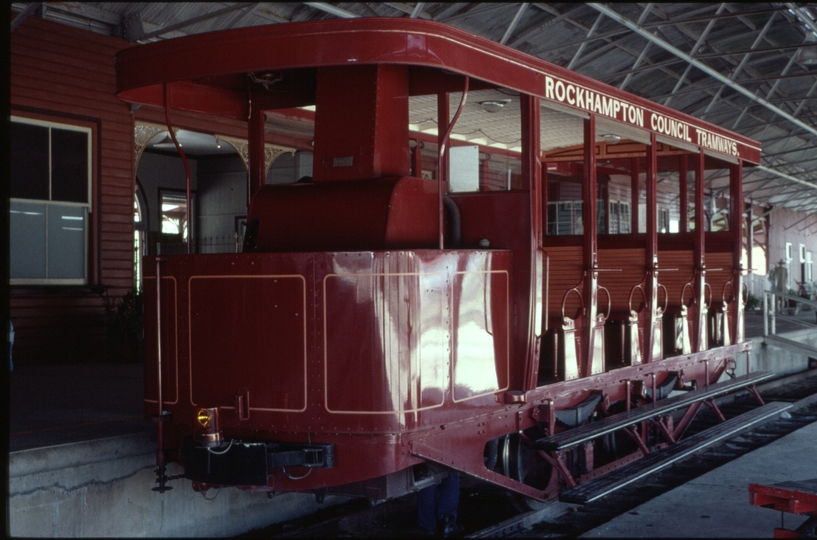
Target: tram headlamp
pixel 204 417
pixel 210 433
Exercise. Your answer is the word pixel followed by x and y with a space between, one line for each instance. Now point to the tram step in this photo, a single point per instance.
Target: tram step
pixel 599 487
pixel 586 432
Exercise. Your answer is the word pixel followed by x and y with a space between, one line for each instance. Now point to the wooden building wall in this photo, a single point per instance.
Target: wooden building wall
pixel 66 75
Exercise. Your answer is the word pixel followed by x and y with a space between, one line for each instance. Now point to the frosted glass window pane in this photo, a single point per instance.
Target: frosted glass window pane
pixel 66 242
pixel 27 240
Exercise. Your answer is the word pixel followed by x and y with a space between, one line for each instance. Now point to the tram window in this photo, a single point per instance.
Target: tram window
pixel 499 171
pixel 624 217
pixel 601 217
pixel 174 216
pixel 690 225
pixel 619 212
pixel 716 197
pixel 663 220
pixel 463 168
pixel 485 152
pixel 564 205
pixel 668 193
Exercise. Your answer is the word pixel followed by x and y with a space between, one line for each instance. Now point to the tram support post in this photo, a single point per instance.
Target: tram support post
pixel 737 221
pixel 593 355
pixel 532 170
pixel 701 342
pixel 651 262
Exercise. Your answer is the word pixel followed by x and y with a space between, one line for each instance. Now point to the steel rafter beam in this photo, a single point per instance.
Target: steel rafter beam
pixel 804 18
pixel 481 9
pixel 25 14
pixel 196 20
pixel 785 176
pixel 539 27
pixel 450 10
pixel 769 94
pixel 656 65
pixel 332 10
pixel 590 33
pixel 703 67
pixel 514 22
pixel 739 68
pixel 412 12
pixel 707 18
pixel 692 54
pixel 418 11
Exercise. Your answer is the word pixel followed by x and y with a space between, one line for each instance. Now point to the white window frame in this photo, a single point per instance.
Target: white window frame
pixel 789 258
pixel 86 206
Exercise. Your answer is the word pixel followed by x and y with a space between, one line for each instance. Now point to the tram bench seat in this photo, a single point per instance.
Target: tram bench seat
pixel 655 461
pixel 573 437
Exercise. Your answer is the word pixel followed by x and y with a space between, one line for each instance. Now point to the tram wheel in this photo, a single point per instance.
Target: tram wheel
pixel 518 460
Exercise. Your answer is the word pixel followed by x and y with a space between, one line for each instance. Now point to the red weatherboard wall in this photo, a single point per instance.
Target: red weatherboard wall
pixel 67 75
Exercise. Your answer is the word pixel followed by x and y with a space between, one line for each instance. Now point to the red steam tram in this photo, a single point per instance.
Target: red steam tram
pixel 493 251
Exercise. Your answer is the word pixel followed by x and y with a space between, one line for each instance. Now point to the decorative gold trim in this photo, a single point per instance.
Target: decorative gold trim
pixel 143 132
pixel 271 151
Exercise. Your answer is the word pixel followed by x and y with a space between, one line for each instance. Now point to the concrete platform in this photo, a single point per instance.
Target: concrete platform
pixel 81 464
pixel 716 504
pixel 55 405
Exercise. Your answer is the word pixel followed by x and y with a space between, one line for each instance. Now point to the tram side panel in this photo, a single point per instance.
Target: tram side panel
pixel 355 349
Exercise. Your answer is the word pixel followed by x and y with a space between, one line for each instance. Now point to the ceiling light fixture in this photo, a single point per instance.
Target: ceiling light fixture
pixel 167 142
pixel 611 138
pixel 494 106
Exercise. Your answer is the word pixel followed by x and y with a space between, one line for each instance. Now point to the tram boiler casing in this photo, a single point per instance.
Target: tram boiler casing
pixel 366 350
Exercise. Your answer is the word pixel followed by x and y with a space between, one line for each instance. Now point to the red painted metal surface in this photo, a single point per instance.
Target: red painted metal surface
pixel 348 321
pixel 794 497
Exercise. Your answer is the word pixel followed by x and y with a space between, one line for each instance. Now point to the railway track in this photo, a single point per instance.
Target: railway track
pixel 487 512
pixel 564 520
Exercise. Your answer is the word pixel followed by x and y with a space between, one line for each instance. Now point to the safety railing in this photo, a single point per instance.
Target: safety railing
pixel 785 306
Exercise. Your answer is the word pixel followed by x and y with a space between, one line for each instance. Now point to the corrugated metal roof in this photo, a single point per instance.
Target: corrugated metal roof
pixel 765 56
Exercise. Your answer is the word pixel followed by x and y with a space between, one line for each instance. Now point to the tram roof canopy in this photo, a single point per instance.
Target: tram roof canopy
pixel 202 80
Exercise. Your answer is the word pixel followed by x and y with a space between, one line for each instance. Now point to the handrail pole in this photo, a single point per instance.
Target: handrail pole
pixel 160 450
pixel 186 169
pixel 441 163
